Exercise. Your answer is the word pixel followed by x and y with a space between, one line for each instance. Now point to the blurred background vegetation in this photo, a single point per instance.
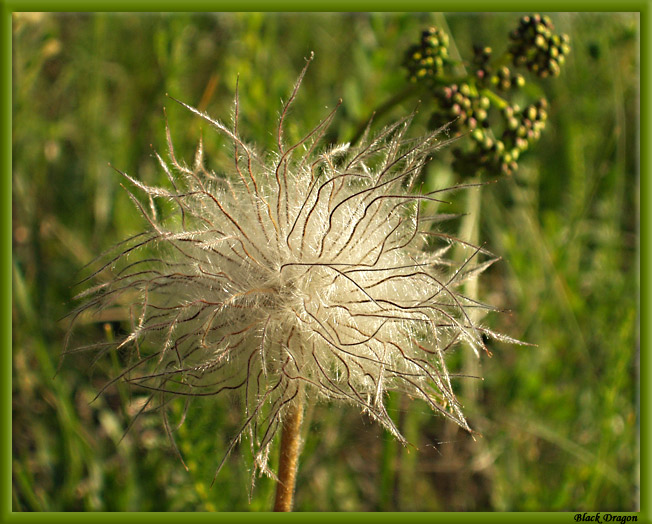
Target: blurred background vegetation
pixel 559 421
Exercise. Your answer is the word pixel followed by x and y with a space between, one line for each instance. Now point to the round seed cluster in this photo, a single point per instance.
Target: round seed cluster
pixel 427 59
pixel 462 104
pixel 522 127
pixel 535 46
pixel 478 102
pixel 504 79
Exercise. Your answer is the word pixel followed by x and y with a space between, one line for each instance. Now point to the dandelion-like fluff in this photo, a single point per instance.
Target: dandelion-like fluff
pixel 302 275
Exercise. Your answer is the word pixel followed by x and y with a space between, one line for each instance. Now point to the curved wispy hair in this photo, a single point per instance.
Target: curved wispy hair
pixel 305 274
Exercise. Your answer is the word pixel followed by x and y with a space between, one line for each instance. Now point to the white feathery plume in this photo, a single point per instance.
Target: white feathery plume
pixel 308 274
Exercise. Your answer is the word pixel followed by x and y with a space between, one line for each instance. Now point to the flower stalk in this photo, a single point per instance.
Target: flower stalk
pixel 289 458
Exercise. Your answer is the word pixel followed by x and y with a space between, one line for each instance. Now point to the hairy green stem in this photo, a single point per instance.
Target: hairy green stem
pixel 290 448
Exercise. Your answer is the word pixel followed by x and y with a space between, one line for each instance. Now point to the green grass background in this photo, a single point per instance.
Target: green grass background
pixel 559 421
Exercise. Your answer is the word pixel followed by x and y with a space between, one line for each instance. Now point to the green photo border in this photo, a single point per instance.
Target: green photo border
pixel 9 6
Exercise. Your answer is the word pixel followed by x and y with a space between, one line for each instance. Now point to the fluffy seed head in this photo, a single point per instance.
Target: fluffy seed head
pixel 308 273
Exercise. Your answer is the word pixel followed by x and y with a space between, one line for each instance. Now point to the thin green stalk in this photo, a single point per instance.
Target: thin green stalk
pixel 470 232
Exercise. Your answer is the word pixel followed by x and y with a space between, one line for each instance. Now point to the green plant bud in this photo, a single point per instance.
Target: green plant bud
pixel 500 146
pixel 478 135
pixel 531 112
pixel 480 114
pixel 519 80
pixel 465 89
pixel 512 123
pixel 515 153
pixel 484 102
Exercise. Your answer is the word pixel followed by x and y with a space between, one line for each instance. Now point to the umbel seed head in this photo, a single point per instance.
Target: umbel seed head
pixel 310 273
